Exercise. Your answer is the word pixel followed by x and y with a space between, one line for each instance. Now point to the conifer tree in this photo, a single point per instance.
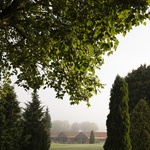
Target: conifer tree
pixel 10 119
pixel 34 132
pixel 118 121
pixel 47 139
pixel 92 137
pixel 140 126
pixel 138 86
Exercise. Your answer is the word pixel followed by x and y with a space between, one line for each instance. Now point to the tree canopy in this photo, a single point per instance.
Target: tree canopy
pixel 138 85
pixel 60 43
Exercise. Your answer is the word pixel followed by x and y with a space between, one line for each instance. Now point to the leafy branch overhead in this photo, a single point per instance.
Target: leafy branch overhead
pixel 60 43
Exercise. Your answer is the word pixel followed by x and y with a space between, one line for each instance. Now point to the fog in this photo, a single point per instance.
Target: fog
pixel 133 51
pixel 62 110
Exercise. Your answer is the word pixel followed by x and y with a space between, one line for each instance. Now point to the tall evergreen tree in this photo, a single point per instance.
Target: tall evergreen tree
pixel 92 137
pixel 140 126
pixel 34 131
pixel 48 125
pixel 10 119
pixel 138 85
pixel 118 121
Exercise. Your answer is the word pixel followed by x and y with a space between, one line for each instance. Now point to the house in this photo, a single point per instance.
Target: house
pixel 100 136
pixel 78 137
pixel 81 138
pixel 54 137
pixel 67 137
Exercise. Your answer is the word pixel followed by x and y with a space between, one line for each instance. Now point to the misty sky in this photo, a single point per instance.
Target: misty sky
pixel 133 50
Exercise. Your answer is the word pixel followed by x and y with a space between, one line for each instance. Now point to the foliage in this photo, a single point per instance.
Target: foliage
pixel 140 126
pixel 88 126
pixel 47 128
pixel 138 85
pixel 34 135
pixel 75 127
pixel 59 126
pixel 64 126
pixel 10 119
pixel 118 120
pixel 92 138
pixel 60 43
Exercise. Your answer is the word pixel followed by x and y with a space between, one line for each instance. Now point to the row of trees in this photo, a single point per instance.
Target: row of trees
pixel 23 129
pixel 128 123
pixel 59 126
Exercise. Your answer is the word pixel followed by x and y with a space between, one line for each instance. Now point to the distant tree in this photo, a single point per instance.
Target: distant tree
pixel 92 138
pixel 75 127
pixel 34 135
pixel 140 126
pixel 118 121
pixel 88 126
pixel 60 44
pixel 10 119
pixel 138 85
pixel 59 126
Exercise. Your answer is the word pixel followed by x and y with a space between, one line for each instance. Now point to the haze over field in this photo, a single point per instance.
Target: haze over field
pixel 133 50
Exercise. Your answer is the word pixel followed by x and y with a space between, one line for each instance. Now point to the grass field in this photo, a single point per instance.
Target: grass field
pixel 57 146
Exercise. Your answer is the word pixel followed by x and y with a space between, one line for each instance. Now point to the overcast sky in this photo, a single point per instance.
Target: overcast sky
pixel 133 50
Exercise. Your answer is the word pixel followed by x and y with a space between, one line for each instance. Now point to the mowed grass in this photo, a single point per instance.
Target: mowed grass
pixel 57 146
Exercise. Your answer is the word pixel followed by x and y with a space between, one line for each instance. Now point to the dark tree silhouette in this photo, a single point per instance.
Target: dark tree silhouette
pixel 118 121
pixel 92 137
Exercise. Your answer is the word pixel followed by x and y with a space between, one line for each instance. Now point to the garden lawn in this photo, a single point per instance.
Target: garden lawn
pixel 57 146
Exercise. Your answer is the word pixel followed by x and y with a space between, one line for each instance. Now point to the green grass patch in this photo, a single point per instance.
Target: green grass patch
pixel 57 146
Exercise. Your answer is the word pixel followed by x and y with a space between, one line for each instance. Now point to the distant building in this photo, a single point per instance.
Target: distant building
pixel 67 137
pixel 77 137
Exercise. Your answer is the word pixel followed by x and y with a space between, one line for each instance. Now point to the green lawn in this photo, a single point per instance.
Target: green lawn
pixel 57 146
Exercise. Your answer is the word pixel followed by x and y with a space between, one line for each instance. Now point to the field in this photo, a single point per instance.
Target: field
pixel 57 146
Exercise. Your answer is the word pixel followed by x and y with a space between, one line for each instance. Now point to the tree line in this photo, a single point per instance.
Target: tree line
pixel 23 129
pixel 64 125
pixel 128 123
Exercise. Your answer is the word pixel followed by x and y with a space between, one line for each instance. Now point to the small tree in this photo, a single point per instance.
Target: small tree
pixel 10 124
pixel 34 135
pixel 118 121
pixel 92 137
pixel 140 126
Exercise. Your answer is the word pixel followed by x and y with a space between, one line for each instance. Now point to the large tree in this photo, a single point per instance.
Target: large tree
pixel 34 135
pixel 60 43
pixel 118 120
pixel 140 126
pixel 138 85
pixel 10 119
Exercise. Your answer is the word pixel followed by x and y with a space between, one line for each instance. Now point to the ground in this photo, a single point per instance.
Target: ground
pixel 57 146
